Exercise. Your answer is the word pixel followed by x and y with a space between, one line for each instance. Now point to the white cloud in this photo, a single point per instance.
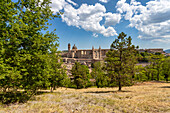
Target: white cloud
pixel 57 5
pixel 110 31
pixel 112 19
pixel 152 20
pixel 161 40
pixel 88 17
pixel 104 1
pixel 95 35
pixel 71 2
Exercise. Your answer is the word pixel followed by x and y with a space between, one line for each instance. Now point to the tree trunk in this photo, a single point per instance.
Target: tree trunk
pixel 4 90
pixel 120 85
pixel 148 75
pixel 54 87
pixel 152 76
pixel 166 77
pixel 51 89
pixel 158 76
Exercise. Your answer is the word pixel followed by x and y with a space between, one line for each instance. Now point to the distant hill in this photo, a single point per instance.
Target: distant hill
pixel 167 51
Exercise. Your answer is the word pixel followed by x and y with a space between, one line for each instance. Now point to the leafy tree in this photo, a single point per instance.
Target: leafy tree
pixel 144 57
pixel 58 76
pixel 166 68
pixel 148 71
pixel 156 61
pixel 24 50
pixel 140 73
pixel 9 74
pixel 98 74
pixel 81 75
pixel 121 60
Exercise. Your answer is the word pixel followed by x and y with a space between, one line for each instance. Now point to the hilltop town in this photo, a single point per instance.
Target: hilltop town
pixel 90 56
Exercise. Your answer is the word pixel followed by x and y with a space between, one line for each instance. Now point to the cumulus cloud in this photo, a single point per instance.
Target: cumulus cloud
pixel 57 5
pixel 87 17
pixel 71 2
pixel 112 19
pixel 104 1
pixel 152 21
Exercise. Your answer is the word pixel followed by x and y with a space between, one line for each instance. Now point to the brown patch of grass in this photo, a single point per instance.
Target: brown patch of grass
pixel 147 97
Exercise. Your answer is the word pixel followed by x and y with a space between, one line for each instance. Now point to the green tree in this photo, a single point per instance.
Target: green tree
pixel 9 73
pixel 98 74
pixel 144 56
pixel 57 72
pixel 24 49
pixel 81 75
pixel 156 61
pixel 140 73
pixel 121 60
pixel 148 71
pixel 166 68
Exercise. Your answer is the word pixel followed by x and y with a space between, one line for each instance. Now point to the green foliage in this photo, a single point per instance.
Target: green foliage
pixel 144 57
pixel 57 73
pixel 81 75
pixel 140 74
pixel 92 65
pixel 28 58
pixel 157 68
pixel 156 61
pixel 13 97
pixel 166 68
pixel 98 74
pixel 8 73
pixel 121 60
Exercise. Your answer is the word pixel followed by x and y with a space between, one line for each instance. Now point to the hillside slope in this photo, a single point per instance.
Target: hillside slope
pixel 142 98
pixel 167 51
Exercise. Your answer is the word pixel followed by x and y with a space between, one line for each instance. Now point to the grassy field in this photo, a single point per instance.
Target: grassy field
pixel 142 98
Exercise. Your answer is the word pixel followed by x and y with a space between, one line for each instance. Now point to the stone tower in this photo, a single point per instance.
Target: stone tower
pixel 69 47
pixel 93 53
pixel 100 53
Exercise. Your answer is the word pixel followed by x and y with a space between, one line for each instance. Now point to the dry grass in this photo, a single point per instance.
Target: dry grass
pixel 147 97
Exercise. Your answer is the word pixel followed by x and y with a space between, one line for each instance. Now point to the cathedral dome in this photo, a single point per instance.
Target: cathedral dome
pixel 74 47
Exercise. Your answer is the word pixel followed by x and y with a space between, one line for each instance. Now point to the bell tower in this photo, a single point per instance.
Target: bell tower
pixel 69 47
pixel 93 53
pixel 100 52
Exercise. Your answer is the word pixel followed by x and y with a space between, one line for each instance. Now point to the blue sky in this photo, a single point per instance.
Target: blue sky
pixel 88 23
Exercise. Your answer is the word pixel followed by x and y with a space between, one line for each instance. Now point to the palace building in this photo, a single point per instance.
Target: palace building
pixel 86 56
pixel 89 56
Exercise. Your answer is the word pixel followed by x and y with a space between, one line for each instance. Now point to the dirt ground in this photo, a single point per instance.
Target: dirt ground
pixel 152 97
